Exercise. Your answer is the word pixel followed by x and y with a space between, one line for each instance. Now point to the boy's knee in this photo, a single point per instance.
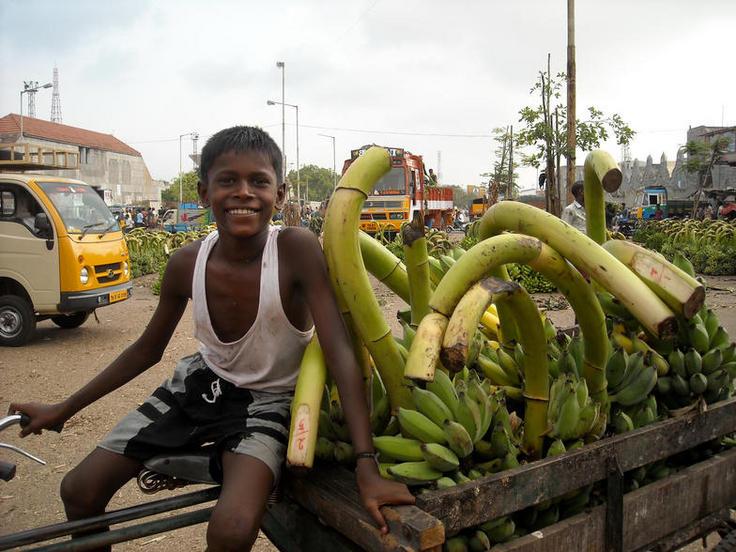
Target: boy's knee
pixel 79 494
pixel 236 531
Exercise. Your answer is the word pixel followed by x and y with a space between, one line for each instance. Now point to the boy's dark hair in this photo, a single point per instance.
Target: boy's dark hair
pixel 240 139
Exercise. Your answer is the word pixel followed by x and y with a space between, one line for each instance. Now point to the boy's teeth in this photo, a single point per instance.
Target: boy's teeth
pixel 241 211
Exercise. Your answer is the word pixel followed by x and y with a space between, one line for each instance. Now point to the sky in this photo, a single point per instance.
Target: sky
pixel 431 76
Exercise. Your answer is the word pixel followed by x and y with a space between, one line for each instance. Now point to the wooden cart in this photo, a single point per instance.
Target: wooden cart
pixel 323 511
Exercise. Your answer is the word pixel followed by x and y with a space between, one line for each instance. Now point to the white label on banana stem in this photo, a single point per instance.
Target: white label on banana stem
pixel 300 436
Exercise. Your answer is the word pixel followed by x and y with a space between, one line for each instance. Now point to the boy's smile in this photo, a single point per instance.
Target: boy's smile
pixel 242 192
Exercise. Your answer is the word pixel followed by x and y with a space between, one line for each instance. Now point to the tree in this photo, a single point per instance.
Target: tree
pixel 460 197
pixel 699 161
pixel 503 177
pixel 318 180
pixel 545 131
pixel 189 189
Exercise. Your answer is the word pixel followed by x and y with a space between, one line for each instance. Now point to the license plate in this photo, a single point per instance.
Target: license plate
pixel 118 295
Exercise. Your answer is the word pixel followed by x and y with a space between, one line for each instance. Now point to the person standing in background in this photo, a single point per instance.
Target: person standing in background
pixel 574 214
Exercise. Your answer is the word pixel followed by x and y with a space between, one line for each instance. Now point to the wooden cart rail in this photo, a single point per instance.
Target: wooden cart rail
pixel 330 494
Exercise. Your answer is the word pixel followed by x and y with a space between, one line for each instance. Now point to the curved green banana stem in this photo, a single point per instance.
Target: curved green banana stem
pixel 477 262
pixel 417 268
pixel 600 172
pixel 509 335
pixel 384 265
pixel 588 312
pixel 683 293
pixel 349 275
pixel 587 256
pixel 536 364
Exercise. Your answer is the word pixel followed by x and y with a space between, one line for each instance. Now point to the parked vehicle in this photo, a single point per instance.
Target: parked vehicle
pixel 188 216
pixel 401 192
pixel 62 254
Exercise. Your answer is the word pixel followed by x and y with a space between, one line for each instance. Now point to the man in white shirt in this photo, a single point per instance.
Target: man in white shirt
pixel 574 214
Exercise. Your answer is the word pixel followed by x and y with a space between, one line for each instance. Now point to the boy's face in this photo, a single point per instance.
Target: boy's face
pixel 242 191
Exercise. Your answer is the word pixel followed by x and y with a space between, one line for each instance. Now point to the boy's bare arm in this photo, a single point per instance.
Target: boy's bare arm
pixel 146 351
pixel 305 253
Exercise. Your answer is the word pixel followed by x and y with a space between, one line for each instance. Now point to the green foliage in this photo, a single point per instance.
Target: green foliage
pixel 189 189
pixel 461 198
pixel 320 180
pixel 552 139
pixel 701 156
pixel 711 252
pixel 501 163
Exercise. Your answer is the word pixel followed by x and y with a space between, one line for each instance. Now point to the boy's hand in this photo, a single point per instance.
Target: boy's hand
pixel 43 416
pixel 377 491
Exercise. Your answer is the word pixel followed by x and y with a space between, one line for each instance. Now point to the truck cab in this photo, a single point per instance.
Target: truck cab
pixel 401 192
pixel 62 254
pixel 652 198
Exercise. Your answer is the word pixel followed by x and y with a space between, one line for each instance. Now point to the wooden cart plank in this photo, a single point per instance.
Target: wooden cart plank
pixel 670 510
pixel 694 531
pixel 331 494
pixel 513 490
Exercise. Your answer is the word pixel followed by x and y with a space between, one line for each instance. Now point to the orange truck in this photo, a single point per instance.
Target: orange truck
pixel 403 191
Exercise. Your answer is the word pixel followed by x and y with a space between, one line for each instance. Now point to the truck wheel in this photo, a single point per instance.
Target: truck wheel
pixel 69 321
pixel 17 321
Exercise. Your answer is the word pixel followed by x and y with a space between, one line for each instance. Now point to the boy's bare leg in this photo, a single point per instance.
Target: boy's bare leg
pixel 88 488
pixel 246 486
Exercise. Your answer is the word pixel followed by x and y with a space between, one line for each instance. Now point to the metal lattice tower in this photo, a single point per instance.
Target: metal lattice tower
pixel 626 155
pixel 31 87
pixel 56 99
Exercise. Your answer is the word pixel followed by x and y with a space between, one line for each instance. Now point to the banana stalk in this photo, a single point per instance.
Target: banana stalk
pixel 600 172
pixel 310 386
pixel 536 364
pixel 464 323
pixel 683 293
pixel 509 330
pixel 384 265
pixel 417 267
pixel 586 255
pixel 476 263
pixel 588 312
pixel 424 353
pixel 348 273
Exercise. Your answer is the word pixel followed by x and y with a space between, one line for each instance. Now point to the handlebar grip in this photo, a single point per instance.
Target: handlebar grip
pixel 7 470
pixel 25 419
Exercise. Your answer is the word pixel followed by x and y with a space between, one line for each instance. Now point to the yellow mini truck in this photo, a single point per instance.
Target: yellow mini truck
pixel 62 254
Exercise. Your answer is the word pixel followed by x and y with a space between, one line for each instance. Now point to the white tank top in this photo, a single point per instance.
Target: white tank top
pixel 268 356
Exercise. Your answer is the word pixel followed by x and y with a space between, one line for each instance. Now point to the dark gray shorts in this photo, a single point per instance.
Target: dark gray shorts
pixel 197 407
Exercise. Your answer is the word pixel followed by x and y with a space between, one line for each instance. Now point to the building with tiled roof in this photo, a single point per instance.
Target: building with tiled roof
pixel 104 161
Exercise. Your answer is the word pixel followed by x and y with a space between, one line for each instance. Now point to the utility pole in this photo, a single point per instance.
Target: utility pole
pixel 570 95
pixel 281 65
pixel 510 189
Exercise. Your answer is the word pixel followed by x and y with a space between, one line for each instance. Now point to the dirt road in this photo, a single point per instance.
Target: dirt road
pixel 57 362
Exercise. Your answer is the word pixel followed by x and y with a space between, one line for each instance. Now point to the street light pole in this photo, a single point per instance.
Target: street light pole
pixel 298 179
pixel 28 89
pixel 281 65
pixel 334 172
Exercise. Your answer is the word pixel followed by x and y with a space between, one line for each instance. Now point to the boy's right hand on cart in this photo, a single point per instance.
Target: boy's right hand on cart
pixel 41 416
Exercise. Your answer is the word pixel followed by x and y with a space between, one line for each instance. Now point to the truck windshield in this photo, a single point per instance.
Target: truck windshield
pixel 79 206
pixel 394 182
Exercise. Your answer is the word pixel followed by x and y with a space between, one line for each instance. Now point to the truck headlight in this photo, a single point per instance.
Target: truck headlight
pixel 84 275
pixel 125 268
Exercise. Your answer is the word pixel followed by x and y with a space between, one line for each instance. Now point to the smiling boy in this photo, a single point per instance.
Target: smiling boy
pixel 258 294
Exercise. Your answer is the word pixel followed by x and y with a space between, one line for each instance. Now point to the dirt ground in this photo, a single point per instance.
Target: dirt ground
pixel 57 362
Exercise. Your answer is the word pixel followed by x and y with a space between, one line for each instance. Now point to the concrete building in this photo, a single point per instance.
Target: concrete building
pixel 104 161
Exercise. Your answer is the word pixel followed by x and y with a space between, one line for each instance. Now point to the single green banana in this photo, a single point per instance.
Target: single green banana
pixel 417 425
pixel 458 438
pixel 638 388
pixel 399 448
pixel 439 457
pixel 431 406
pixel 442 387
pixel 414 473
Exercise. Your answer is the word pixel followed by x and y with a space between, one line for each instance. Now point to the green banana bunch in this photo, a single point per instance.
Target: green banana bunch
pixel 637 382
pixel 571 413
pixel 394 448
pixel 414 473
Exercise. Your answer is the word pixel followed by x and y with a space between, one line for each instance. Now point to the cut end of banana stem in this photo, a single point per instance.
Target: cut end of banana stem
pixel 667 328
pixel 612 180
pixel 694 303
pixel 453 357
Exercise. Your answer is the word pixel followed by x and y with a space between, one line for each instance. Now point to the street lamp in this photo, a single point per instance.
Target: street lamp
pixel 29 89
pixel 281 65
pixel 191 135
pixel 298 181
pixel 334 172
